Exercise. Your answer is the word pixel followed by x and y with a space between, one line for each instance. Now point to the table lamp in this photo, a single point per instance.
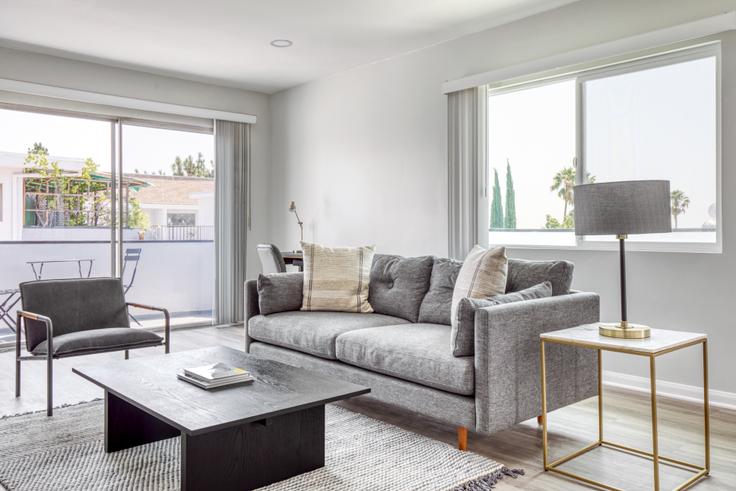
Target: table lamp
pixel 620 209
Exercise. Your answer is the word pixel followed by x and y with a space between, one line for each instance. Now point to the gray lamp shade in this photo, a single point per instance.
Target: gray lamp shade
pixel 622 208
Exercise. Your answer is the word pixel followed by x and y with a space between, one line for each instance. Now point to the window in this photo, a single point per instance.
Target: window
pixel 655 118
pixel 182 219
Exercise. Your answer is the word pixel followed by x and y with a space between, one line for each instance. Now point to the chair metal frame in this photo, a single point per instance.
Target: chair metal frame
pixel 49 356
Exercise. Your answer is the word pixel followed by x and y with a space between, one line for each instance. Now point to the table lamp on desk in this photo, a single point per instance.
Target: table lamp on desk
pixel 292 208
pixel 620 209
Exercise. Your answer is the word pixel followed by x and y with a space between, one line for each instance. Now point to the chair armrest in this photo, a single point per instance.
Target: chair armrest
pixel 507 365
pixel 24 314
pixel 251 307
pixel 167 320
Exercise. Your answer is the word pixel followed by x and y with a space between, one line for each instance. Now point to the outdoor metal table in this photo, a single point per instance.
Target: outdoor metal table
pixel 38 272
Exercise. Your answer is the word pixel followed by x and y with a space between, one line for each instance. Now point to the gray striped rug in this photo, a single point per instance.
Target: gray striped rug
pixel 66 453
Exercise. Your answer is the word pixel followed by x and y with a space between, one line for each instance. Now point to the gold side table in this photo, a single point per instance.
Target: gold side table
pixel 661 342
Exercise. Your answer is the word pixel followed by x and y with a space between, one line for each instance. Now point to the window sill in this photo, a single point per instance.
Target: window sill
pixel 631 246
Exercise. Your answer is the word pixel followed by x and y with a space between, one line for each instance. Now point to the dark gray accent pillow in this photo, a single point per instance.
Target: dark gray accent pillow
pixel 280 292
pixel 524 274
pixel 398 285
pixel 437 302
pixel 462 338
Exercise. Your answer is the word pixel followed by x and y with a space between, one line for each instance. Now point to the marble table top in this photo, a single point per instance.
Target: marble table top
pixel 587 335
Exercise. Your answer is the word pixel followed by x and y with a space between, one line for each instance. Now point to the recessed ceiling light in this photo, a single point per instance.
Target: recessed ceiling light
pixel 281 43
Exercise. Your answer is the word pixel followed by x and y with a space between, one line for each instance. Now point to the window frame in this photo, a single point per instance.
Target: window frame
pixel 680 55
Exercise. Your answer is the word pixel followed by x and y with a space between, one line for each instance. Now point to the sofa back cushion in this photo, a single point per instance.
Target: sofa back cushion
pixel 435 308
pixel 521 275
pixel 524 274
pixel 399 284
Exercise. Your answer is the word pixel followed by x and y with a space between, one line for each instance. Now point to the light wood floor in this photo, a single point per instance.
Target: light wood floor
pixel 627 421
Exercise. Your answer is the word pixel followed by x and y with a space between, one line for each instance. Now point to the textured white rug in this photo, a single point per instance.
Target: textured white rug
pixel 66 453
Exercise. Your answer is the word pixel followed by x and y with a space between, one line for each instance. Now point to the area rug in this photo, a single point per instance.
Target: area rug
pixel 66 452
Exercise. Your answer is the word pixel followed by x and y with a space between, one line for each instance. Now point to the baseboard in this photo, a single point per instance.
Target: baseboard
pixel 691 393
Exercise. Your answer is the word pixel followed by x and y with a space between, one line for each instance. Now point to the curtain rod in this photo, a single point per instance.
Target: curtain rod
pixel 35 89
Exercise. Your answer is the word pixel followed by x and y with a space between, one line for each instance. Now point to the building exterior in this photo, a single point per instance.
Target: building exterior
pixel 171 207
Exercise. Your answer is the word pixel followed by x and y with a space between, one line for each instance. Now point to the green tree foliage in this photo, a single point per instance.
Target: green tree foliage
pixel 552 222
pixel 137 218
pixel 679 202
pixel 496 206
pixel 510 217
pixel 59 198
pixel 193 168
pixel 563 183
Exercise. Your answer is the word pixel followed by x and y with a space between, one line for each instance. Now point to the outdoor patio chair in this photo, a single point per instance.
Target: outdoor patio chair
pixel 131 258
pixel 271 259
pixel 73 317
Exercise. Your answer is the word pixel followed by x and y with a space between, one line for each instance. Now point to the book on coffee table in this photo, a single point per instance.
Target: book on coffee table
pixel 215 375
pixel 212 385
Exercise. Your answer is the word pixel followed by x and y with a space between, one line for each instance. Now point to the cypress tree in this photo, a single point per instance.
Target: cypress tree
pixel 510 218
pixel 496 206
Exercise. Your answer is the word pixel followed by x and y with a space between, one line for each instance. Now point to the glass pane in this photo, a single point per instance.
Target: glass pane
pixel 659 123
pixel 54 202
pixel 531 155
pixel 169 216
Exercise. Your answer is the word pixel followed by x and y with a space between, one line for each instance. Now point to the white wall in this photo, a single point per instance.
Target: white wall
pixel 61 72
pixel 363 153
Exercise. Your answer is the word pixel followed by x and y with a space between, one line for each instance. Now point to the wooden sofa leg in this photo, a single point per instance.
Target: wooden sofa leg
pixel 462 438
pixel 539 420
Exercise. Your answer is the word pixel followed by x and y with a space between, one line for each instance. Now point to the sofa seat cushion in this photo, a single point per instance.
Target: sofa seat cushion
pixel 418 353
pixel 92 340
pixel 313 333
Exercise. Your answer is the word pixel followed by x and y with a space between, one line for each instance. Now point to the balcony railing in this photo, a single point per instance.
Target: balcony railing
pixel 180 232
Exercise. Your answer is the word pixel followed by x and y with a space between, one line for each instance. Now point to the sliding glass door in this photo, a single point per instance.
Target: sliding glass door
pixel 168 216
pixel 85 196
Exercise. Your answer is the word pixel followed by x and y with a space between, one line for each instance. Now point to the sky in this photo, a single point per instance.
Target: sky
pixel 145 149
pixel 652 124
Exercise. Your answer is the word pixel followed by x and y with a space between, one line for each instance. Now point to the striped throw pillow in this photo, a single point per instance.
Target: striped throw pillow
pixel 337 278
pixel 482 275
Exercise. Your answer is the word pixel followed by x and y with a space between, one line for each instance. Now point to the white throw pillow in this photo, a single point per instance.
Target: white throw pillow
pixel 337 278
pixel 482 275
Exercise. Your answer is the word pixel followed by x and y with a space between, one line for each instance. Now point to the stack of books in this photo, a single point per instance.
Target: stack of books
pixel 215 375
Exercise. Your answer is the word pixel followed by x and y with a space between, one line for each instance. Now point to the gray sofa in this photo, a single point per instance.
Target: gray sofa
pixel 402 351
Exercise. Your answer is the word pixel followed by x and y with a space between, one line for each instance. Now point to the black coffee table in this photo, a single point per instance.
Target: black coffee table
pixel 240 437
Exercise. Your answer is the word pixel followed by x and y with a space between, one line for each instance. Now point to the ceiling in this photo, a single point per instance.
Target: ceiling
pixel 227 41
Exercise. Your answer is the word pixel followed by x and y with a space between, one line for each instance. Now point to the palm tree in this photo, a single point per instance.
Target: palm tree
pixel 563 182
pixel 679 202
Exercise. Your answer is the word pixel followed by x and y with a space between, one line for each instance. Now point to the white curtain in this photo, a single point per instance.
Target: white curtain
pixel 232 217
pixel 467 139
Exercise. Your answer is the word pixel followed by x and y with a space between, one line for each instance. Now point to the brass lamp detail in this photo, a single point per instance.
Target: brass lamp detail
pixel 622 208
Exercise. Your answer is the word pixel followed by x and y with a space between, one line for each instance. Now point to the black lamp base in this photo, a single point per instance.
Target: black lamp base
pixel 624 330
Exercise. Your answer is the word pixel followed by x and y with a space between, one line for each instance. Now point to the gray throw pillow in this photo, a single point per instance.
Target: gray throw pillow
pixel 524 274
pixel 398 284
pixel 437 302
pixel 463 332
pixel 280 292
